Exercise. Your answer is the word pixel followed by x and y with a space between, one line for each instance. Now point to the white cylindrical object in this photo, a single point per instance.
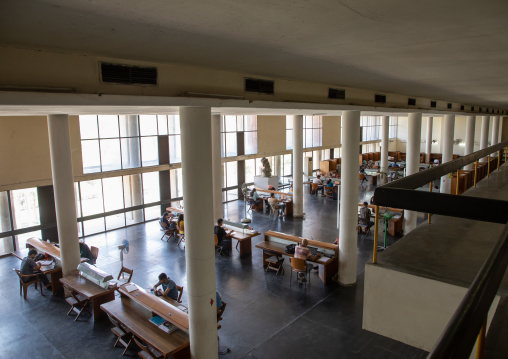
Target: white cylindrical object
pixel 385 133
pixel 414 129
pixel 428 144
pixel 495 131
pixel 196 124
pixel 448 129
pixel 470 125
pixel 297 165
pixel 484 139
pixel 218 211
pixel 63 188
pixel 348 235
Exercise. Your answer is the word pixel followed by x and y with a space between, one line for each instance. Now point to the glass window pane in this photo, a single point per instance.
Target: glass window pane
pixel 162 122
pixel 232 195
pixel 5 217
pixel 251 142
pixel 108 126
pixel 308 138
pixel 239 123
pixel 230 123
pixel 113 193
pixel 88 127
pixel 307 121
pixel 6 245
pixel 131 157
pixel 151 191
pixel 149 151
pixel 316 138
pixel 315 121
pixel 232 174
pixel 175 149
pixel 133 217
pixel 251 123
pixel 77 199
pixel 132 192
pixel 288 165
pixel 21 238
pixel 148 125
pixel 129 126
pixel 152 213
pixel 249 171
pixel 110 155
pixel 91 156
pixel 289 139
pixel 223 145
pixel 25 208
pixel 289 123
pixel 91 197
pixel 93 226
pixel 174 125
pixel 115 221
pixel 231 149
pixel 176 184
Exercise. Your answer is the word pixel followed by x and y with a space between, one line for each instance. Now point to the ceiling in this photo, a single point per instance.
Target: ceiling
pixel 451 50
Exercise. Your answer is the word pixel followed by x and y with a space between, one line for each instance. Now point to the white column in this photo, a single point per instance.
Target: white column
pixel 348 235
pixel 63 188
pixel 428 144
pixel 495 131
pixel 449 127
pixel 414 129
pixel 196 132
pixel 484 139
pixel 385 133
pixel 297 165
pixel 218 211
pixel 278 166
pixel 470 124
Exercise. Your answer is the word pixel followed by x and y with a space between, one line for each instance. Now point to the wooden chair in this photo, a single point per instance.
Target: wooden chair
pixel 300 266
pixel 124 270
pixel 167 232
pixel 274 210
pixel 147 352
pixel 122 334
pixel 219 248
pixel 314 187
pixel 329 192
pixel 78 302
pixel 24 285
pixel 274 261
pixel 180 290
pixel 95 251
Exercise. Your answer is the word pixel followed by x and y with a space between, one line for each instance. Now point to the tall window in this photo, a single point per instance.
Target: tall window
pixel 371 128
pixel 230 181
pixel 175 151
pixel 250 135
pixel 6 243
pixel 287 165
pixel 25 213
pixel 393 127
pixel 289 133
pixel 312 131
pixel 176 183
pixel 230 127
pixel 228 130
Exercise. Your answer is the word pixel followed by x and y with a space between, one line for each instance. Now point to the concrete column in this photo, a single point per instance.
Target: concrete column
pixel 196 132
pixel 278 166
pixel 297 165
pixel 349 197
pixel 449 127
pixel 63 188
pixel 470 125
pixel 385 134
pixel 218 211
pixel 495 131
pixel 484 139
pixel 428 143
pixel 414 128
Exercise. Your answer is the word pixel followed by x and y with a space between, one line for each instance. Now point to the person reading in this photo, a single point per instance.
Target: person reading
pixel 223 237
pixel 318 181
pixel 303 252
pixel 168 287
pixel 30 267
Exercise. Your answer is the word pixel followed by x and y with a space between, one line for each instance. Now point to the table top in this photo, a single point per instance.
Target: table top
pixel 281 248
pixel 157 305
pixel 44 247
pixel 137 319
pixel 84 286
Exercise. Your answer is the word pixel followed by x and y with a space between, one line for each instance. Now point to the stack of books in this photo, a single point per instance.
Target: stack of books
pixel 163 324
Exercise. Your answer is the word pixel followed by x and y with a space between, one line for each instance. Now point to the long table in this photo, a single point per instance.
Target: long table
pixel 244 240
pixel 136 318
pixel 92 291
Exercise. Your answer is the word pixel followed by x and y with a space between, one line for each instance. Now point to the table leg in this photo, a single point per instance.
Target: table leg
pixel 56 285
pixel 246 247
pixel 98 313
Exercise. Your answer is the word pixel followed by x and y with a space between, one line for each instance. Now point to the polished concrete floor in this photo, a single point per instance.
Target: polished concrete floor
pixel 265 317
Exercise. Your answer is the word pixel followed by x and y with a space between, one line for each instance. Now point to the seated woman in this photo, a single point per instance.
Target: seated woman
pixel 255 201
pixel 180 224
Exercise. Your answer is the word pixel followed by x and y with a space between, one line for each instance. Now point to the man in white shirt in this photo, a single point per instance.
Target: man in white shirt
pixel 320 185
pixel 303 252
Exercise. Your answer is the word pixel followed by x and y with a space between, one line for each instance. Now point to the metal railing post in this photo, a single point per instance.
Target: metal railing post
pixel 376 227
pixel 457 183
pixel 488 166
pixel 498 159
pixel 475 172
pixel 480 342
pixel 430 190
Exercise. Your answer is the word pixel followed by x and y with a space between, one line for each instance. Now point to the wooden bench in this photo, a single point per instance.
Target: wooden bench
pixel 276 242
pixel 394 224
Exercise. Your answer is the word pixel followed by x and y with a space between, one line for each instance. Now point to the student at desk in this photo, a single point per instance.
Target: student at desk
pixel 180 224
pixel 303 252
pixel 223 237
pixel 29 266
pixel 85 252
pixel 255 200
pixel 168 287
pixel 275 202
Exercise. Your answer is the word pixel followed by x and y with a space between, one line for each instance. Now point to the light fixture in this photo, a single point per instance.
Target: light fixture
pixel 434 141
pixel 457 141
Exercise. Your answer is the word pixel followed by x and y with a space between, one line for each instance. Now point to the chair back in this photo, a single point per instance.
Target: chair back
pixel 95 251
pixel 216 240
pixel 21 276
pixel 298 264
pixel 180 291
pixel 221 311
pixel 315 186
pixel 130 272
pixel 361 176
pixel 164 226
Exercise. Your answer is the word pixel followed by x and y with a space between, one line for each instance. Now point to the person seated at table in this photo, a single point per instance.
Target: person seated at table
pixel 168 287
pixel 85 252
pixel 165 219
pixel 223 237
pixel 272 201
pixel 30 267
pixel 303 252
pixel 255 201
pixel 364 179
pixel 218 302
pixel 180 224
pixel 320 185
pixel 329 183
pixel 365 214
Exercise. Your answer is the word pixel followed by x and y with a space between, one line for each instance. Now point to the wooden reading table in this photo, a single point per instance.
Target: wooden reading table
pixel 92 291
pixel 244 239
pixel 276 242
pixel 288 201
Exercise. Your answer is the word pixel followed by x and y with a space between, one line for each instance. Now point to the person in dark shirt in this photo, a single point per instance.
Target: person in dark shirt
pixel 85 252
pixel 169 288
pixel 223 237
pixel 29 266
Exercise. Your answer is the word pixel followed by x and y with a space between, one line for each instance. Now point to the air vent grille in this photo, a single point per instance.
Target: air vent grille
pixel 462 107
pixel 411 102
pixel 480 109
pixel 128 75
pixel 380 98
pixel 472 108
pixel 449 105
pixel 433 104
pixel 338 94
pixel 260 86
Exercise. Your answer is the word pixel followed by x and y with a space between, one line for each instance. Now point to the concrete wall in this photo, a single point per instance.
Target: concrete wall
pixel 331 131
pixel 271 134
pixel 407 308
